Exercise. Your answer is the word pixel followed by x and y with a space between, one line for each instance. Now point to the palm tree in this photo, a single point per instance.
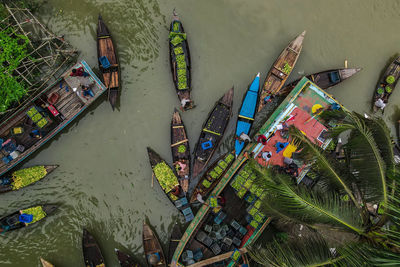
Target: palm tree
pixel 367 175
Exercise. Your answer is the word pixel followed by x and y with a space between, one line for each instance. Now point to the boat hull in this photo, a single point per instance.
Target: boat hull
pixel 152 246
pixel 212 132
pixel 91 250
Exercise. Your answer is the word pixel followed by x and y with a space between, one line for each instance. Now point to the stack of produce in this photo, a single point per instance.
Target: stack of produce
pixel 24 177
pixel 165 177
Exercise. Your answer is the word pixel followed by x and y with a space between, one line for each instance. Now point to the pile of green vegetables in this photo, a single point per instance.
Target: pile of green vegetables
pixel 181 68
pixel 165 176
pixel 24 177
pixel 287 68
pixel 37 212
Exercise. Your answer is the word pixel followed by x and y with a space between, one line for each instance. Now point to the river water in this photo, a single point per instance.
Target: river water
pixel 104 181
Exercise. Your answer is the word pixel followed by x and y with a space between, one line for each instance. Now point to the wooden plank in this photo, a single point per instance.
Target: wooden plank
pixel 217 258
pixel 180 142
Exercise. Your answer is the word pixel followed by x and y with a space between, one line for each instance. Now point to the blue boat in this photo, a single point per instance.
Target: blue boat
pixel 40 118
pixel 247 113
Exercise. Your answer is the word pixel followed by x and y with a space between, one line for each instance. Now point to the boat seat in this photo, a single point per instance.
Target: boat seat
pixel 13 220
pixel 334 77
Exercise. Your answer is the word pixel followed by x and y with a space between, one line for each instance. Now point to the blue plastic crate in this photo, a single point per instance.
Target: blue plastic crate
pixel 105 63
pixel 198 255
pixel 206 145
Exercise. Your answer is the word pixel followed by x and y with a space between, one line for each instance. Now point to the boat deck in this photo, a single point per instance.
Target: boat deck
pixel 58 104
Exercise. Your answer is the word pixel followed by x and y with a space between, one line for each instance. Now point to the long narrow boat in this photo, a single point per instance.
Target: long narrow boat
pixel 45 115
pixel 25 217
pixel 212 132
pixel 180 150
pixel 170 184
pixel 46 263
pixel 387 84
pixel 24 177
pixel 108 62
pixel 280 71
pixel 247 113
pixel 126 260
pixel 91 250
pixel 152 248
pixel 179 56
pixel 212 176
pixel 174 239
pixel 324 79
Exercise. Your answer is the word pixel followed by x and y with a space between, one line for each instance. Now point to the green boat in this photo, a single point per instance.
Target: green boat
pixel 223 231
pixel 24 177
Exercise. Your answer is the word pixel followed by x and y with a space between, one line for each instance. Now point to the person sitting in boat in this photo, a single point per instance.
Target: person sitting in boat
pixel 266 155
pixel 181 168
pixel 79 72
pixel 186 103
pixel 154 259
pixel 176 191
pixel 380 103
pixel 243 138
pixel 86 92
pixel 262 139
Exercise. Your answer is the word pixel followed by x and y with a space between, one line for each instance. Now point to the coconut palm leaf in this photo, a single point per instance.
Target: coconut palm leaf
pixel 307 251
pixel 332 173
pixel 363 254
pixel 366 161
pixel 308 207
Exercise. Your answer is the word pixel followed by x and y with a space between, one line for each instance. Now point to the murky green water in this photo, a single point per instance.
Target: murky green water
pixel 104 182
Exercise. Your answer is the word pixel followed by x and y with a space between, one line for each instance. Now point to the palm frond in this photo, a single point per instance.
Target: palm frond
pixel 305 206
pixel 331 172
pixel 366 161
pixel 307 251
pixel 363 254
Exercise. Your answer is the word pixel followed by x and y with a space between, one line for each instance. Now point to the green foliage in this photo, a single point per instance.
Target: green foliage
pixel 13 49
pixel 390 79
pixel 165 176
pixel 37 212
pixel 388 89
pixel 24 177
pixel 175 26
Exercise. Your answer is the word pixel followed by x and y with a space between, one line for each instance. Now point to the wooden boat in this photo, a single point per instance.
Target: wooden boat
pixel 324 79
pixel 13 221
pixel 247 112
pixel 110 72
pixel 91 250
pixel 387 83
pixel 46 263
pixel 179 57
pixel 45 115
pixel 280 71
pixel 180 151
pixel 24 177
pixel 212 132
pixel 212 176
pixel 174 240
pixel 169 184
pixel 152 248
pixel 125 260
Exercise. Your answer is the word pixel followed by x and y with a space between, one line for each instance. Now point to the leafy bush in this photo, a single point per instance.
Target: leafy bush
pixel 24 177
pixel 165 176
pixel 390 79
pixel 37 212
pixel 13 49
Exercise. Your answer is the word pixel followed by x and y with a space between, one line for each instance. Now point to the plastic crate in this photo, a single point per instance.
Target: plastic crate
pixel 216 249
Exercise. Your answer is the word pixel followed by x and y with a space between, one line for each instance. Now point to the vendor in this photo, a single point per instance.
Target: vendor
pixel 86 92
pixel 79 72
